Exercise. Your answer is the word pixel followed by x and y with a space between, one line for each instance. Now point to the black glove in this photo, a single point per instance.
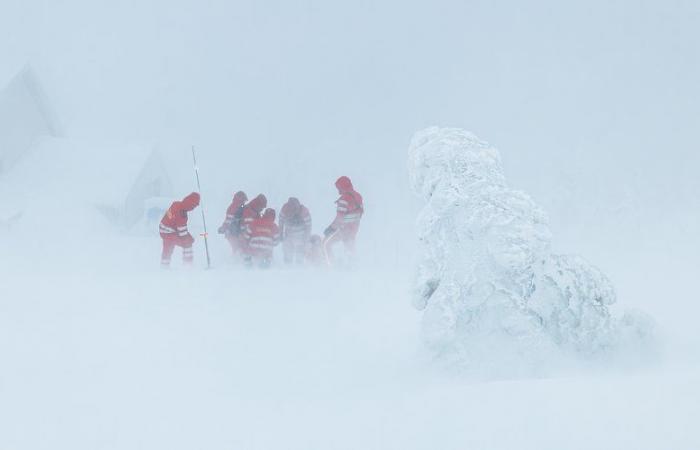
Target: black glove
pixel 328 231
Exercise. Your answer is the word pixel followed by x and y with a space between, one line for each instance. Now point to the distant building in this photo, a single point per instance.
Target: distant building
pixel 141 187
pixel 25 117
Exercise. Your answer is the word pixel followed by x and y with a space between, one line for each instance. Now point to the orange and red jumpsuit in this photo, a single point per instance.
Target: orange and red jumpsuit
pixel 173 230
pixel 349 211
pixel 262 235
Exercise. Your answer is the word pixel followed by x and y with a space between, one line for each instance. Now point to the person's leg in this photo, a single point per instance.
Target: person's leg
pixel 185 242
pixel 349 234
pixel 187 251
pixel 288 250
pixel 300 250
pixel 265 261
pixel 328 243
pixel 167 253
pixel 187 255
pixel 233 242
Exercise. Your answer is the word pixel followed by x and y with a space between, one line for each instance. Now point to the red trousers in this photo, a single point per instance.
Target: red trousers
pixel 172 240
pixel 235 241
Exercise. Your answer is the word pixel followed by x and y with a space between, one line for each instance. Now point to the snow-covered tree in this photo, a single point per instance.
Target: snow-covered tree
pixel 487 280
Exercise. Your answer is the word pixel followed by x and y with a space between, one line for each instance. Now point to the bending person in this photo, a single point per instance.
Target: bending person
pixel 349 211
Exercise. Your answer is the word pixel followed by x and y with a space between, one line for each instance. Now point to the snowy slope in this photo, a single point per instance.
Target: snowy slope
pixel 592 104
pixel 101 349
pixel 121 355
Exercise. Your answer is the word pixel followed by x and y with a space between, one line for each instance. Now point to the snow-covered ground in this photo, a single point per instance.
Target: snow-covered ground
pixel 116 354
pixel 593 106
pixel 101 349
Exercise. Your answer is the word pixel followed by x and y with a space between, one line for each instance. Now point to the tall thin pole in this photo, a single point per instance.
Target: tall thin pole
pixel 204 220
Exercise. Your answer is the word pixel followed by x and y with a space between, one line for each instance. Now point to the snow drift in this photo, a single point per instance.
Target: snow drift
pixel 488 283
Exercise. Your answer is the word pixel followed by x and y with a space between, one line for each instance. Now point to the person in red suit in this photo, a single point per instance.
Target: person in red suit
pixel 231 228
pixel 344 228
pixel 253 210
pixel 262 235
pixel 173 230
pixel 295 229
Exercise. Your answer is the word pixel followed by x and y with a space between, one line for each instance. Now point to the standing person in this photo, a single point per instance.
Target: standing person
pixel 349 211
pixel 295 229
pixel 173 230
pixel 263 236
pixel 231 228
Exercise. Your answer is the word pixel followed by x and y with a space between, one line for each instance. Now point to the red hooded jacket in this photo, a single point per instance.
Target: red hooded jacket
pixel 349 207
pixel 263 234
pixel 229 226
pixel 252 211
pixel 174 222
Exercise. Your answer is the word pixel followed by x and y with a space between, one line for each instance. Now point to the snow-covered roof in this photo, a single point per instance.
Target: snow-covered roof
pixel 75 173
pixel 101 173
pixel 25 117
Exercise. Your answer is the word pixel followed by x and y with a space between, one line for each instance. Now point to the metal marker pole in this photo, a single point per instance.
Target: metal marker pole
pixel 204 220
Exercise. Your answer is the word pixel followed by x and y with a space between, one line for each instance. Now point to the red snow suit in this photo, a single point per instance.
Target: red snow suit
pixel 263 235
pixel 252 211
pixel 349 211
pixel 173 229
pixel 231 228
pixel 295 229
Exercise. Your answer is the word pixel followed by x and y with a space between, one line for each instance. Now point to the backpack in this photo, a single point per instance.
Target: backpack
pixel 235 226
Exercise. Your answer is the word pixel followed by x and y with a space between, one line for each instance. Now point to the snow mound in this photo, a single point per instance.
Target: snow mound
pixel 488 283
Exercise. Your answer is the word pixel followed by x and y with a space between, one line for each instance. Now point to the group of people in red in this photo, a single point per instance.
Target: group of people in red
pixel 252 232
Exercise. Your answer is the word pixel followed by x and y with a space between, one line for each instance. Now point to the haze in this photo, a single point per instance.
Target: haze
pixel 593 106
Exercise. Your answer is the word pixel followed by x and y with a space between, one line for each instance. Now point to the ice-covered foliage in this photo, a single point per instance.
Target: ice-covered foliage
pixel 487 281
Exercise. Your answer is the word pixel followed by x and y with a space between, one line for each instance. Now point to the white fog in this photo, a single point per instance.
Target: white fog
pixel 523 273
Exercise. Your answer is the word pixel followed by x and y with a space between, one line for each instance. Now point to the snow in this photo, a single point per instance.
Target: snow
pixel 100 349
pixel 135 357
pixel 487 280
pixel 55 172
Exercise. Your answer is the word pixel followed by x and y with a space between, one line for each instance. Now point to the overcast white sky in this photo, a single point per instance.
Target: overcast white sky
pixel 604 91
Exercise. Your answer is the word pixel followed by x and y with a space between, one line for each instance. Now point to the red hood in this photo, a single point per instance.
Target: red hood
pixel 240 197
pixel 269 215
pixel 344 184
pixel 190 202
pixel 258 203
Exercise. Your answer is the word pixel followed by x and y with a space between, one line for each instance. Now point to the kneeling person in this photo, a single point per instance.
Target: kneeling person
pixel 262 235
